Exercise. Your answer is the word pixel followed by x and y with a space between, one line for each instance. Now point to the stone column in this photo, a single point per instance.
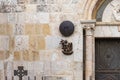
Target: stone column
pixel 89 51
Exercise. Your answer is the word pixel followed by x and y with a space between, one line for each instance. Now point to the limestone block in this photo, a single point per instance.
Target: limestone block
pixel 20 18
pixel 42 1
pixel 3 18
pixel 68 8
pixel 50 1
pixel 33 1
pixel 17 55
pixel 18 29
pixel 78 47
pixel 42 8
pixel 22 1
pixel 9 70
pixel 56 56
pixel 29 29
pixel 20 8
pixel 38 67
pixel 77 66
pixel 45 55
pixel 61 68
pixel 30 66
pixel 52 42
pixel 46 29
pixel 9 57
pixel 47 68
pixel 4 43
pixel 75 1
pixel 2 75
pixel 31 8
pixel 44 18
pixel 26 55
pixel 55 8
pixel 3 29
pixel 31 74
pixel 30 17
pixel 11 43
pixel 33 42
pixel 12 18
pixel 66 1
pixel 66 77
pixel 41 42
pixel 1 65
pixel 9 29
pixel 21 43
pixel 36 56
pixel 25 78
pixel 38 29
pixel 54 17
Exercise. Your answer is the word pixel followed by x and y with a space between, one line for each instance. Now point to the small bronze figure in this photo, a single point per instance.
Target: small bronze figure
pixel 67 47
pixel 20 72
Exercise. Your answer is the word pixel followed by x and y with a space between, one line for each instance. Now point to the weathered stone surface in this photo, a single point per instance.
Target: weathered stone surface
pixel 42 8
pixel 30 37
pixel 57 77
pixel 2 55
pixel 1 66
pixel 33 43
pixel 21 43
pixel 50 40
pixel 61 68
pixel 36 56
pixel 29 29
pixel 46 29
pixel 17 55
pixel 4 43
pixel 41 42
pixel 18 29
pixel 2 75
pixel 25 55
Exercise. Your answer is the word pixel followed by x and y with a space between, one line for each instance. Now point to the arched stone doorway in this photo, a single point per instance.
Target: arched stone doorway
pixel 104 24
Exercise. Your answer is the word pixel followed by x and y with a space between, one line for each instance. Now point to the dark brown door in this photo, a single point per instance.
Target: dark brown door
pixel 107 59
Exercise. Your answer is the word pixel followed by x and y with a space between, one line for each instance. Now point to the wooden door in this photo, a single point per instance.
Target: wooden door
pixel 107 59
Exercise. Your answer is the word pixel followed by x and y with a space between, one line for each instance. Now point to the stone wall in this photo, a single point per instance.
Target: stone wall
pixel 30 37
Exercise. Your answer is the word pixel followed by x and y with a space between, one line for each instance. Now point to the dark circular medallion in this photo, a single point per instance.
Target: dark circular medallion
pixel 66 28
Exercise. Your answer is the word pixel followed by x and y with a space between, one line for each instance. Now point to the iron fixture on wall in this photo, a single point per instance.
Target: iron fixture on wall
pixel 67 47
pixel 20 72
pixel 66 28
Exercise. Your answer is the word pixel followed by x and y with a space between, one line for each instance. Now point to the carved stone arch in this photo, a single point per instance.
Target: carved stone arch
pixel 99 9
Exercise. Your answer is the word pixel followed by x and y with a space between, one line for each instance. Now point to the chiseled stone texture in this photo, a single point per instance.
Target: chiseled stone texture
pixel 21 43
pixel 30 37
pixel 4 43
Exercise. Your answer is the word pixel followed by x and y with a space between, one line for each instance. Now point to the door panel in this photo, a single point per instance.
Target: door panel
pixel 107 59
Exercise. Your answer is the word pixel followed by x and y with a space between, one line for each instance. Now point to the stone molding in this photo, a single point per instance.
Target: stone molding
pixel 89 26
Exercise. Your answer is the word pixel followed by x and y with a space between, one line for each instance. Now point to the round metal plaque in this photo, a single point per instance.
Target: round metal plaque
pixel 66 28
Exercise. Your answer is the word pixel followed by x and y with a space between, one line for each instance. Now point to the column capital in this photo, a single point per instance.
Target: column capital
pixel 89 26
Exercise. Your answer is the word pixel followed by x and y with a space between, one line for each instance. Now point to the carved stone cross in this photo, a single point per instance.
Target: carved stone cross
pixel 20 72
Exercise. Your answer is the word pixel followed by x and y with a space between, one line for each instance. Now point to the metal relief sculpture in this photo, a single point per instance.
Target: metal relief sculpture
pixel 20 72
pixel 67 47
pixel 66 28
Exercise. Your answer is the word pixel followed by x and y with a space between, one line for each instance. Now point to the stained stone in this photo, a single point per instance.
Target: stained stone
pixel 55 8
pixel 21 43
pixel 18 29
pixel 4 43
pixel 33 1
pixel 20 8
pixel 22 1
pixel 42 8
pixel 42 1
pixel 1 65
